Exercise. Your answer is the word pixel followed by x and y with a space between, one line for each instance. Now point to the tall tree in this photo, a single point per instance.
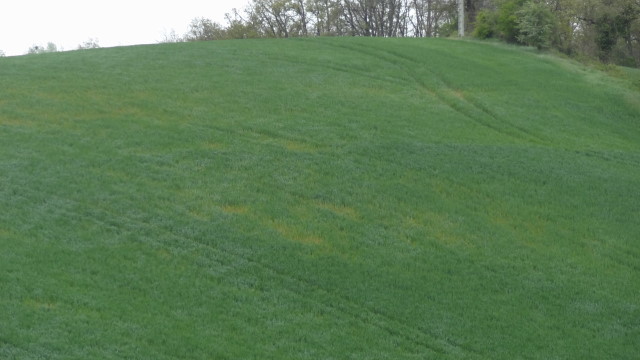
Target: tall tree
pixel 326 17
pixel 202 29
pixel 276 16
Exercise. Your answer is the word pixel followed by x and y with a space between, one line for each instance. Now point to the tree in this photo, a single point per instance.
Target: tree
pixel 486 25
pixel 608 30
pixel 91 43
pixel 38 49
pixel 2 54
pixel 240 28
pixel 299 8
pixel 202 29
pixel 377 17
pixel 171 37
pixel 277 17
pixel 325 17
pixel 508 20
pixel 535 23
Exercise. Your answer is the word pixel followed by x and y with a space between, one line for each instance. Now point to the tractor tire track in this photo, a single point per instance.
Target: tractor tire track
pixel 465 105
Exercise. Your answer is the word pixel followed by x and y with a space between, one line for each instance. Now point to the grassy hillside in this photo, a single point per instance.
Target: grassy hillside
pixel 345 198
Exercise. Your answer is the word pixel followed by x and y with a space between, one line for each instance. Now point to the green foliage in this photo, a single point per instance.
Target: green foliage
pixel 606 35
pixel 535 24
pixel 89 44
pixel 39 49
pixel 237 29
pixel 326 198
pixel 589 31
pixel 202 29
pixel 508 20
pixel 485 25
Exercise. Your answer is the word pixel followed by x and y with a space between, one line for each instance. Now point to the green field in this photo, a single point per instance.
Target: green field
pixel 329 198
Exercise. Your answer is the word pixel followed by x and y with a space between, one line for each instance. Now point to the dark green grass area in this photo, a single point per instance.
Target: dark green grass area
pixel 344 198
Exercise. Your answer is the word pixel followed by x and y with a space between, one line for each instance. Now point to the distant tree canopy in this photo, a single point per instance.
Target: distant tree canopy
pixel 89 44
pixel 295 18
pixel 605 29
pixel 39 49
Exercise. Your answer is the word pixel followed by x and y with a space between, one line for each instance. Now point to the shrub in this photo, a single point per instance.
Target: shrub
pixel 507 18
pixel 535 23
pixel 485 26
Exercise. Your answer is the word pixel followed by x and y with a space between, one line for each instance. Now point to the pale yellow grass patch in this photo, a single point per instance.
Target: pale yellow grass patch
pixel 235 209
pixel 456 93
pixel 213 146
pixel 16 123
pixel 163 253
pixel 198 214
pixel 444 229
pixel 40 305
pixel 341 210
pixel 296 235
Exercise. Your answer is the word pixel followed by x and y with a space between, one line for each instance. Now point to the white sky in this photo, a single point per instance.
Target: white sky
pixel 69 23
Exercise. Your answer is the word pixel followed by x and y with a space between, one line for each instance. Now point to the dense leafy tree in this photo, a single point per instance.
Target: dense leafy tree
pixel 202 29
pixel 486 25
pixel 38 49
pixel 240 28
pixel 508 20
pixel 432 17
pixel 326 17
pixel 89 44
pixel 276 18
pixel 535 22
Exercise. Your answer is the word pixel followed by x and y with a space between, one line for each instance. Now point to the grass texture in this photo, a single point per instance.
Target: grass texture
pixel 330 198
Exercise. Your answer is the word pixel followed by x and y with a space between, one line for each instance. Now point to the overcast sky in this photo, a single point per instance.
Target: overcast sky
pixel 69 23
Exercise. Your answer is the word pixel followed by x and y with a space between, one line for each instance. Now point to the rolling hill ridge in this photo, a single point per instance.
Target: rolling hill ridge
pixel 317 198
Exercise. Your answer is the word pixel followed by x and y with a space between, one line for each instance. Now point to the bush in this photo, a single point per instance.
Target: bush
pixel 485 26
pixel 89 44
pixel 37 49
pixel 202 29
pixel 535 23
pixel 606 35
pixel 507 18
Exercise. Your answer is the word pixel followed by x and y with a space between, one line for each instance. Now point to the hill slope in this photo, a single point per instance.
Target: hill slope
pixel 321 198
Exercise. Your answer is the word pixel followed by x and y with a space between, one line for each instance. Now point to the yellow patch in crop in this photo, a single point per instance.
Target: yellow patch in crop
pixel 456 93
pixel 500 219
pixel 40 305
pixel 341 210
pixel 444 229
pixel 213 146
pixel 235 209
pixel 531 226
pixel 198 214
pixel 296 235
pixel 447 237
pixel 163 253
pixel 16 122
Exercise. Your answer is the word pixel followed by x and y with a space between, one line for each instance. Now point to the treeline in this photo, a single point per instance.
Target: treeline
pixel 296 18
pixel 608 30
